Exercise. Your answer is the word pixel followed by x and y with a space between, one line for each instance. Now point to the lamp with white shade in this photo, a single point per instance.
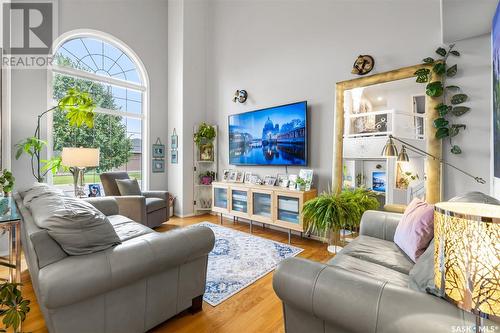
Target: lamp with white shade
pixel 78 159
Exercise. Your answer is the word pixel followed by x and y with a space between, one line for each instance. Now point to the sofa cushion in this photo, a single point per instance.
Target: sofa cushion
pixel 74 224
pixel 378 251
pixel 373 270
pixel 416 228
pixel 422 274
pixel 127 229
pixel 153 204
pixel 128 187
pixel 38 190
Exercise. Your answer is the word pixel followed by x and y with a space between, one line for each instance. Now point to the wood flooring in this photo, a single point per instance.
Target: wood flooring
pixel 254 309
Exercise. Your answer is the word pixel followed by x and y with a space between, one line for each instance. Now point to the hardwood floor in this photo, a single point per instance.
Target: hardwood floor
pixel 254 309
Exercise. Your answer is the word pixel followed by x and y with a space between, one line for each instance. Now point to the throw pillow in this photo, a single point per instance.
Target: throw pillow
pixel 416 229
pixel 422 274
pixel 128 187
pixel 38 190
pixel 74 224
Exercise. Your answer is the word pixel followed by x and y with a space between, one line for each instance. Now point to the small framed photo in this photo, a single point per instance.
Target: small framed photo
pixel 232 175
pixel 94 190
pixel 292 182
pixel 306 174
pixel 282 180
pixel 248 176
pixel 158 166
pixel 270 180
pixel 240 177
pixel 173 157
pixel 158 150
pixel 174 140
pixel 225 175
pixel 254 179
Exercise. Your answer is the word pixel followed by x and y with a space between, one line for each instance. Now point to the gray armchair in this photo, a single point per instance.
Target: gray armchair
pixel 150 208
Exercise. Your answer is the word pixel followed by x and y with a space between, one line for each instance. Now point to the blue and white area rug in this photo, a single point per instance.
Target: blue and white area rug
pixel 238 260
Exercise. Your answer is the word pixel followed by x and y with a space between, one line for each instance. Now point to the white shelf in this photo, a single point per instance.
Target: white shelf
pixel 203 193
pixel 201 185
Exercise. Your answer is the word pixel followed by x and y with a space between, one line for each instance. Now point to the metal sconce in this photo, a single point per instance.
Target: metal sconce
pixel 240 96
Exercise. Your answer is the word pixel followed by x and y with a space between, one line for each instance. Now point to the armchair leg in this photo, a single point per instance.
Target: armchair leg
pixel 196 305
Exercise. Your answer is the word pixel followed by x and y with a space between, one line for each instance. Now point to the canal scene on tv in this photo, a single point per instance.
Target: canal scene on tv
pixel 274 136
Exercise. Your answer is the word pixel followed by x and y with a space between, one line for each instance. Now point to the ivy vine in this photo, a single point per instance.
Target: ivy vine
pixel 450 108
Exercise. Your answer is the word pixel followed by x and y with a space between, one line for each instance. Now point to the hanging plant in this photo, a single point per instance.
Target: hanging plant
pixel 205 133
pixel 449 109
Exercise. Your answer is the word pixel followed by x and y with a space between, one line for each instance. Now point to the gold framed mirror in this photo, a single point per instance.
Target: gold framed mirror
pixel 431 182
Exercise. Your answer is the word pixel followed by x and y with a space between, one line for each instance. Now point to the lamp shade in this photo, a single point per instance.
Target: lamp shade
pixel 80 157
pixel 390 149
pixel 403 155
pixel 467 256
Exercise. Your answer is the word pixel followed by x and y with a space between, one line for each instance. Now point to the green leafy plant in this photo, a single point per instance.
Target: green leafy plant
pixel 451 96
pixel 205 133
pixel 406 178
pixel 13 307
pixel 333 212
pixel 6 181
pixel 79 108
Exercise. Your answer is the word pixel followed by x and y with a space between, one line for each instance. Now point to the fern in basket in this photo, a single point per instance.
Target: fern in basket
pixel 333 212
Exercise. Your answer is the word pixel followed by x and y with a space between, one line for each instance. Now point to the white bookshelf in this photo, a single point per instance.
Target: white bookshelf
pixel 202 194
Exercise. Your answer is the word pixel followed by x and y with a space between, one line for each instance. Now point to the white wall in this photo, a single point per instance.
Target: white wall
pixel 142 25
pixel 286 51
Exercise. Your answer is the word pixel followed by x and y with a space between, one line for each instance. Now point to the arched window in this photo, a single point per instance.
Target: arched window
pixel 115 78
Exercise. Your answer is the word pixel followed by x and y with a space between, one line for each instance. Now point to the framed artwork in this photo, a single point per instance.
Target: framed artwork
pixel 248 176
pixel 206 152
pixel 292 182
pixel 225 175
pixel 379 180
pixel 94 190
pixel 240 177
pixel 158 150
pixel 232 175
pixel 254 179
pixel 174 156
pixel 270 180
pixel 282 179
pixel 174 140
pixel 158 166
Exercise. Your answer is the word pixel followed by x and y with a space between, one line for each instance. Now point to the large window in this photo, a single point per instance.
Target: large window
pixel 116 83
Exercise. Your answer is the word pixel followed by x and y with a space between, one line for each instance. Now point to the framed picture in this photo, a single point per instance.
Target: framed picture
pixel 207 153
pixel 270 180
pixel 248 175
pixel 173 156
pixel 232 175
pixel 158 150
pixel 174 140
pixel 292 182
pixel 159 165
pixel 94 190
pixel 254 179
pixel 379 180
pixel 225 175
pixel 240 177
pixel 307 175
pixel 282 179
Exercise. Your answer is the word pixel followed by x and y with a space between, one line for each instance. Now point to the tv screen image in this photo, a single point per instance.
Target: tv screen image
pixel 379 179
pixel 273 136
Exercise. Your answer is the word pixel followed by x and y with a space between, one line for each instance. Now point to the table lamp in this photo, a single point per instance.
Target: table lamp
pixel 77 159
pixel 467 257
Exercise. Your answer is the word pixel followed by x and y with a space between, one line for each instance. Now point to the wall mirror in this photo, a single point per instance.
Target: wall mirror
pixel 368 111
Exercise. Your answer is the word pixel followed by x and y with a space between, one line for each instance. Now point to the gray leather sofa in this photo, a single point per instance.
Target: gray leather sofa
pixel 131 287
pixel 364 289
pixel 150 208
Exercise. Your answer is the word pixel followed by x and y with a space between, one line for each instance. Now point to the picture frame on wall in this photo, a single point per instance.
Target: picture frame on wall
pixel 158 150
pixel 174 157
pixel 159 166
pixel 174 140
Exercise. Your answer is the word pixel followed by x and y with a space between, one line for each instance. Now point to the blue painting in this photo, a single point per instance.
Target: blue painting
pixel 273 136
pixel 378 181
pixel 495 38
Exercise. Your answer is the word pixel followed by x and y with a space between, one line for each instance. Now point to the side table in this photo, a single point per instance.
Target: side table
pixel 10 222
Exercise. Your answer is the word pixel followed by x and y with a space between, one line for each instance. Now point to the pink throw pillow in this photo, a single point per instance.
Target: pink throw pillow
pixel 416 229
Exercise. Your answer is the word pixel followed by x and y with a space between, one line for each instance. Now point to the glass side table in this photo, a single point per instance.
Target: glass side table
pixel 10 222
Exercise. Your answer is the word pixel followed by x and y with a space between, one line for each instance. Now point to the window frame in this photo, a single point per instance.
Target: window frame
pixel 143 88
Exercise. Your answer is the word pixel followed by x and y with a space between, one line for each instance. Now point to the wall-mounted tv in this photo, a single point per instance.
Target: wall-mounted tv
pixel 272 136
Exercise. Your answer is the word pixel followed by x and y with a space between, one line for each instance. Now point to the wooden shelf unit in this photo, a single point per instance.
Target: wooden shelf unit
pixel 271 205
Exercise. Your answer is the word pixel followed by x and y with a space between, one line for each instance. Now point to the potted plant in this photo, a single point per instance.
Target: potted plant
pixel 204 138
pixel 300 184
pixel 6 182
pixel 13 307
pixel 331 212
pixel 405 180
pixel 206 178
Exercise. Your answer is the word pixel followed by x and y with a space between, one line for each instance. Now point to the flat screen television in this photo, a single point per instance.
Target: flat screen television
pixel 272 136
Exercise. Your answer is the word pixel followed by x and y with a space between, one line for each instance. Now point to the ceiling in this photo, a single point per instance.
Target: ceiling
pixel 461 19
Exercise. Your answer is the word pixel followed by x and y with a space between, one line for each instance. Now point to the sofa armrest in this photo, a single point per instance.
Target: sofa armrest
pixel 106 205
pixel 379 224
pixel 342 298
pixel 77 278
pixel 133 207
pixel 156 194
